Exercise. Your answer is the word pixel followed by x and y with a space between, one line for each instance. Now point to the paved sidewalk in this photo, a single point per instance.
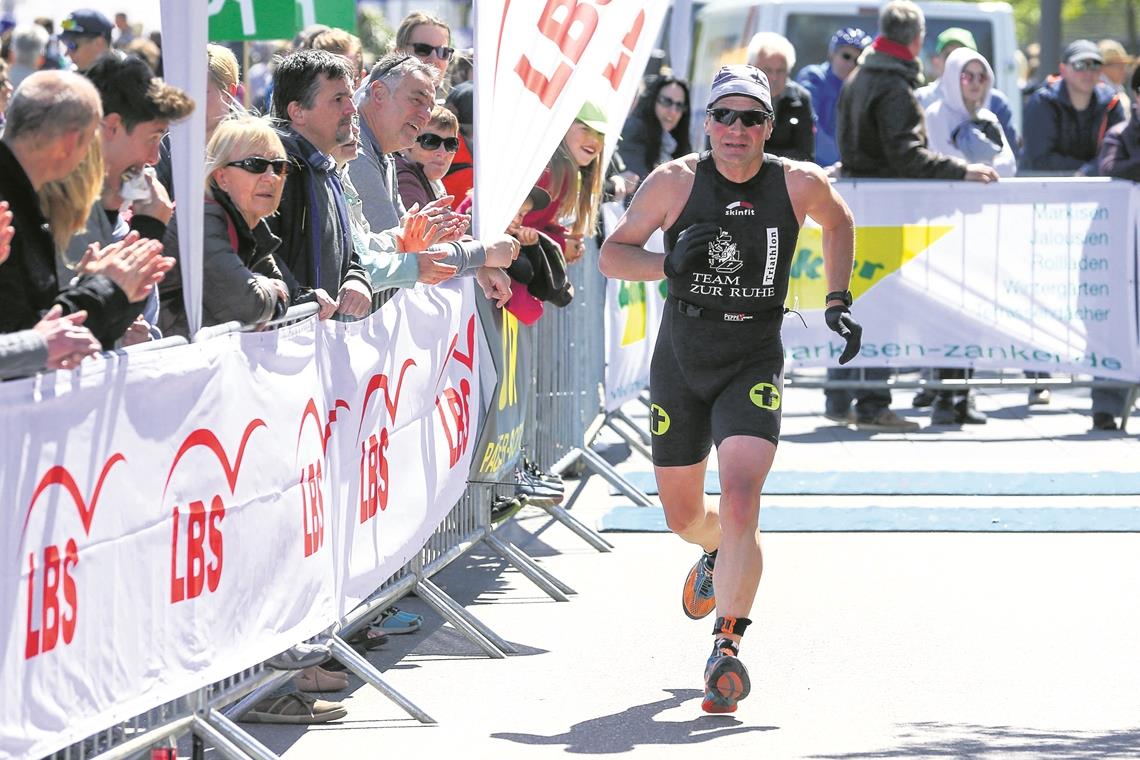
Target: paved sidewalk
pixel 866 645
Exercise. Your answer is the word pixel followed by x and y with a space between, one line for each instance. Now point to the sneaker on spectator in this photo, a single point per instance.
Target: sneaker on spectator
pixel 843 418
pixel 296 708
pixel 1039 396
pixel 886 421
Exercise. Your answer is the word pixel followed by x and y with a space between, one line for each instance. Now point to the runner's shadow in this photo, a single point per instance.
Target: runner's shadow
pixel 624 731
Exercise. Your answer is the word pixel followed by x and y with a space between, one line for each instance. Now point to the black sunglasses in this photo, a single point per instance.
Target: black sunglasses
pixel 424 50
pixel 728 116
pixel 428 141
pixel 1085 65
pixel 259 165
pixel 667 102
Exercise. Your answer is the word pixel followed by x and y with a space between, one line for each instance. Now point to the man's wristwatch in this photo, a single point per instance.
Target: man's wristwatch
pixel 839 295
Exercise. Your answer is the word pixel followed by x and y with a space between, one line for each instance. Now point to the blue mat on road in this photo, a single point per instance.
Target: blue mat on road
pixel 947 483
pixel 906 519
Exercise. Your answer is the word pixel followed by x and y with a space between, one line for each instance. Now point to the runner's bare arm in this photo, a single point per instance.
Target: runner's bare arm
pixel 656 204
pixel 813 195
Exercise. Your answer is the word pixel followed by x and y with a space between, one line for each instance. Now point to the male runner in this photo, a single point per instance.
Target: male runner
pixel 731 218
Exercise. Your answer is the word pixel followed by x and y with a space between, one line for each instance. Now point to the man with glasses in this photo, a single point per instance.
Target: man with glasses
pixel 824 81
pixel 86 35
pixel 731 218
pixel 793 131
pixel 1066 119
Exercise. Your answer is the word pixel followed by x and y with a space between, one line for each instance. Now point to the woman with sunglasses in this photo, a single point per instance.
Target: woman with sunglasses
pixel 958 123
pixel 245 173
pixel 657 130
pixel 428 38
pixel 420 168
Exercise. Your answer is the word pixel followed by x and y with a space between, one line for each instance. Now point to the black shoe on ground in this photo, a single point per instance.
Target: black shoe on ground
pixel 1104 421
pixel 966 414
pixel 923 398
pixel 1039 396
pixel 944 412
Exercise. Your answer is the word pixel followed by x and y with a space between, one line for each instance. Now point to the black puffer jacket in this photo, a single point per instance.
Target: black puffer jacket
pixel 1120 154
pixel 880 127
pixel 793 134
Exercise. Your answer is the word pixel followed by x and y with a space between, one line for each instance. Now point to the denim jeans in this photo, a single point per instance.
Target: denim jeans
pixel 868 403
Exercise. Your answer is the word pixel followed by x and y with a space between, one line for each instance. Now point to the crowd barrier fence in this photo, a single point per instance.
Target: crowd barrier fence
pixel 561 428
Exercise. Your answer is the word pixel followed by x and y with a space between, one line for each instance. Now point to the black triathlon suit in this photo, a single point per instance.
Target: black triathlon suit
pixel 718 366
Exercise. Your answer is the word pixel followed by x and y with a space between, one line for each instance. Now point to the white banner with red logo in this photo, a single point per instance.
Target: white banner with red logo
pixel 538 63
pixel 632 318
pixel 177 516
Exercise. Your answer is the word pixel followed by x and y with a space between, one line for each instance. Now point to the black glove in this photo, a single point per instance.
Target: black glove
pixel 692 243
pixel 839 319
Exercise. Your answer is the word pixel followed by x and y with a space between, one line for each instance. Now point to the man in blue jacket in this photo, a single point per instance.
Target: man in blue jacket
pixel 825 80
pixel 1067 117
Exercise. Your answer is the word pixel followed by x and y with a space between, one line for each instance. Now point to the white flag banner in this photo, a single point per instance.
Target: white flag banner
pixel 632 318
pixel 1025 274
pixel 184 65
pixel 177 516
pixel 538 63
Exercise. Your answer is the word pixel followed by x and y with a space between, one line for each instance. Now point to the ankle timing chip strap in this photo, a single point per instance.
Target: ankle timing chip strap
pixel 733 625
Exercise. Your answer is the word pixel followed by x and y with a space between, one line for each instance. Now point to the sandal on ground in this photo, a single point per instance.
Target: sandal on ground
pixel 294 708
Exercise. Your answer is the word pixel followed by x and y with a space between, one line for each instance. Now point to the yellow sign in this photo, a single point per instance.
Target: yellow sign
pixel 508 388
pixel 879 251
pixel 631 298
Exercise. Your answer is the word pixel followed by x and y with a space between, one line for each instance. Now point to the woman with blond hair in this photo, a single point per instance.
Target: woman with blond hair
pixel 245 172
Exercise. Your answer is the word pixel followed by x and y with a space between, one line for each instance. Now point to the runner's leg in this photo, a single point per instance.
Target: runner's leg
pixel 687 511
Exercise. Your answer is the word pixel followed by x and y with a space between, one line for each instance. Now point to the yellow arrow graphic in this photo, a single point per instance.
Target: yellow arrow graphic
pixel 879 251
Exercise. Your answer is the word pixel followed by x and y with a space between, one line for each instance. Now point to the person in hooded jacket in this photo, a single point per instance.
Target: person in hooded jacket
pixel 958 123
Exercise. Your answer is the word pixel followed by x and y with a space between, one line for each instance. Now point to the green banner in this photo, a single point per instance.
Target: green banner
pixel 276 19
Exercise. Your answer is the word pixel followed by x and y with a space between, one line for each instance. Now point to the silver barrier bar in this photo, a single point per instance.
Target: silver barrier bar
pixel 493 645
pixel 293 315
pixel 230 740
pixel 364 670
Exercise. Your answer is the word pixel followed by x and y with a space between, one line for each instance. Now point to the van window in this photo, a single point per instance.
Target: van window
pixel 809 34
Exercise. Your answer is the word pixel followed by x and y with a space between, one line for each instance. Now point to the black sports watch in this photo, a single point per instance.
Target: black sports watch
pixel 839 295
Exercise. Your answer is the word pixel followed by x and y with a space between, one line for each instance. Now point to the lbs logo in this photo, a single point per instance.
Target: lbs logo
pixel 197 528
pixel 54 567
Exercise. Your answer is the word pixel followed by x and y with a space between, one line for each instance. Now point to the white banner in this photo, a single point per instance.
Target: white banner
pixel 539 62
pixel 632 318
pixel 1027 274
pixel 175 517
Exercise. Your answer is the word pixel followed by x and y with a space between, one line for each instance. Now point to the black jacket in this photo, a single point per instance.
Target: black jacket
pixel 793 134
pixel 880 125
pixel 29 284
pixel 293 224
pixel 1120 154
pixel 1058 138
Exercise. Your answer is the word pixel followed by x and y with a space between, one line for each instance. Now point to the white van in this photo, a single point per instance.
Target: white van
pixel 724 28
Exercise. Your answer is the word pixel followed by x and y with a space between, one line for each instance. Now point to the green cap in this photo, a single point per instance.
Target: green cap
pixel 956 35
pixel 593 117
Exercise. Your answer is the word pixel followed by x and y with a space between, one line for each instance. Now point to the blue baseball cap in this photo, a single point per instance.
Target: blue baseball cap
pixel 851 35
pixel 741 79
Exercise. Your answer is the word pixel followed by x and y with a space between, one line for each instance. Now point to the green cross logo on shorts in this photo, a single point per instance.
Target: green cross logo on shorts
pixel 658 420
pixel 765 396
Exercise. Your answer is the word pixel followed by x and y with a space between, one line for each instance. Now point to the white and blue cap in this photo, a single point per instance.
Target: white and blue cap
pixel 741 79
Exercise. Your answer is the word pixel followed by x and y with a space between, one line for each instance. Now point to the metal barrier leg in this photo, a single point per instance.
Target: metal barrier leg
pixel 586 534
pixel 642 434
pixel 371 676
pixel 554 588
pixel 231 739
pixel 603 468
pixel 479 634
pixel 1131 399
pixel 633 439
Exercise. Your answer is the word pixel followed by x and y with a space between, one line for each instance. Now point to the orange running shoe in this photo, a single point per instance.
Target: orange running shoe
pixel 697 597
pixel 726 679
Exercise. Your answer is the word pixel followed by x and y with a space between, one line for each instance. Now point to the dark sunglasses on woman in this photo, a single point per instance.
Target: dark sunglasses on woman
pixel 728 116
pixel 259 165
pixel 424 50
pixel 428 141
pixel 667 102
